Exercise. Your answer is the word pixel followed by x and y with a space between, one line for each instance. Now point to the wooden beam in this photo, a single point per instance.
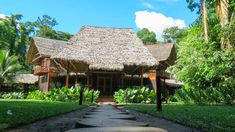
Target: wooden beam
pixel 103 72
pixel 88 79
pixel 142 79
pixel 36 58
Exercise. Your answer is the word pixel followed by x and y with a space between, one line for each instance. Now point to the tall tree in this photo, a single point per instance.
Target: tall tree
pixel 223 14
pixel 146 36
pixel 204 20
pixel 45 25
pixel 173 34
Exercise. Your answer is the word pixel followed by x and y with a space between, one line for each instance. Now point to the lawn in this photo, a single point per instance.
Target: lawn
pixel 16 112
pixel 210 118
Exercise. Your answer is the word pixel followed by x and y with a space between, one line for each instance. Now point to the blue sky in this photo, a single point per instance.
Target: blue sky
pixel 72 14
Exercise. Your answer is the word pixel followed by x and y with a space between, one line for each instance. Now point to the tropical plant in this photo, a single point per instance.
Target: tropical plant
pixel 8 67
pixel 135 95
pixel 37 95
pixel 13 95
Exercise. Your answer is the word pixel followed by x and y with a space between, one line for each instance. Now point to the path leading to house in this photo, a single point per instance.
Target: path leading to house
pixel 103 118
pixel 107 118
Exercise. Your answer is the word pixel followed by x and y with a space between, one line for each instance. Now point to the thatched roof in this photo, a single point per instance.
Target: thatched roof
pixel 26 79
pixel 103 48
pixel 43 47
pixel 161 52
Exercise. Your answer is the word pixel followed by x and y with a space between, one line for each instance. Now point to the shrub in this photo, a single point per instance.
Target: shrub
pixel 38 95
pixel 135 95
pixel 13 95
pixel 205 96
pixel 65 94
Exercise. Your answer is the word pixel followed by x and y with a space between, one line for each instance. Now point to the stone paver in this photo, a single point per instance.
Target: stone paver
pixel 107 118
pixel 118 129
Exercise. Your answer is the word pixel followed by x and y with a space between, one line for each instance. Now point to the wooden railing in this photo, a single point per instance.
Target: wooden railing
pixel 41 70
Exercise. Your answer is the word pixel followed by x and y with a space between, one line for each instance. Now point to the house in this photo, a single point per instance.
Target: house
pixel 98 56
pixel 165 54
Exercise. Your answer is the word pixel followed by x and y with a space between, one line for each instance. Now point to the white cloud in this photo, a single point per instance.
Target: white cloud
pixel 2 16
pixel 148 5
pixel 156 22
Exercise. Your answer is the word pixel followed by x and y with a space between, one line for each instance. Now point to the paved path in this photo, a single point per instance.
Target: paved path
pixel 107 118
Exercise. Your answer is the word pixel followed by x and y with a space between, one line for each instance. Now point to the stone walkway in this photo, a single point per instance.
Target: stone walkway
pixel 107 118
pixel 103 118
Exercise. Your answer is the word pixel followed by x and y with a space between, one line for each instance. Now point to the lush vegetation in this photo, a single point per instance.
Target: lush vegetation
pixel 135 95
pixel 57 94
pixel 65 94
pixel 16 112
pixel 207 117
pixel 146 36
pixel 15 38
pixel 206 56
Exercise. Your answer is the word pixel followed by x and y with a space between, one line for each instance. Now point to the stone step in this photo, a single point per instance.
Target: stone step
pixel 118 129
pixel 102 122
pixel 113 116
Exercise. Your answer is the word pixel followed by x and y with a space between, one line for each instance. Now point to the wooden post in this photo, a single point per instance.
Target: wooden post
pixel 122 80
pixel 67 76
pixel 142 80
pixel 76 79
pixel 132 78
pixel 81 96
pixel 158 83
pixel 92 96
pixel 48 75
pixel 67 80
pixel 88 80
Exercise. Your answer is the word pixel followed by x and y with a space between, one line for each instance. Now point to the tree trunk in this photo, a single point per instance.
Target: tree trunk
pixel 222 12
pixel 204 20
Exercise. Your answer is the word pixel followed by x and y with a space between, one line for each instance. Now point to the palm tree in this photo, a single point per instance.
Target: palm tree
pixel 223 14
pixel 8 67
pixel 204 20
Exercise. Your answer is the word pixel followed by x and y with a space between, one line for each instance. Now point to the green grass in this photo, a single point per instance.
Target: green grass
pixel 26 111
pixel 210 118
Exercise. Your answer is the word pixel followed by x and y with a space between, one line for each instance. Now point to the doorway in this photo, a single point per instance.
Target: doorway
pixel 105 85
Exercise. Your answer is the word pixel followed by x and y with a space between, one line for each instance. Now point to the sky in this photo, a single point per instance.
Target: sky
pixel 156 15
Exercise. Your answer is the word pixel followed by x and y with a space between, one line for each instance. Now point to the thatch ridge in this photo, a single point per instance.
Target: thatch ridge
pixel 162 51
pixel 26 79
pixel 107 49
pixel 44 47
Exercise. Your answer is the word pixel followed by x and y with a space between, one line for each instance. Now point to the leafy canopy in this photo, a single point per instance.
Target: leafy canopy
pixel 146 36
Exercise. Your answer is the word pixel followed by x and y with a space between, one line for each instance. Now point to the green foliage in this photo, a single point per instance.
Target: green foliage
pixel 45 26
pixel 8 66
pixel 65 94
pixel 38 95
pixel 146 36
pixel 12 95
pixel 135 95
pixel 173 34
pixel 205 96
